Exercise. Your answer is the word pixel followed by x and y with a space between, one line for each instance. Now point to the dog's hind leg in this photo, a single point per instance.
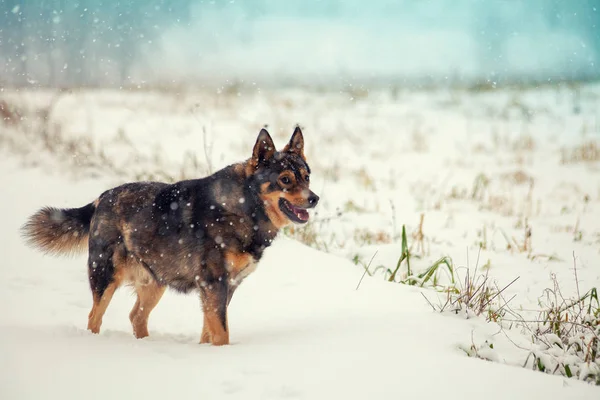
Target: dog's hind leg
pixel 105 279
pixel 102 299
pixel 148 296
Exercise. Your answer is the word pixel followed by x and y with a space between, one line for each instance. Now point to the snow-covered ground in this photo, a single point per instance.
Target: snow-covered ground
pixel 482 168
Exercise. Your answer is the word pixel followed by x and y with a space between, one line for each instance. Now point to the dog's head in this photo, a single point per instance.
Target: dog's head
pixel 283 178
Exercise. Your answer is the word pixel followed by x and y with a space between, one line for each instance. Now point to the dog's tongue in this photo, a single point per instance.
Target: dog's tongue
pixel 301 213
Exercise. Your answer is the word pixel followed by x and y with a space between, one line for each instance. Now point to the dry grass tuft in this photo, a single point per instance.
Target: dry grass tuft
pixel 40 133
pixel 566 334
pixel 10 115
pixel 585 152
pixel 475 295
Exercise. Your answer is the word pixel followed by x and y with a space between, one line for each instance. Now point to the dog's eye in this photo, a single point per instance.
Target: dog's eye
pixel 307 178
pixel 285 180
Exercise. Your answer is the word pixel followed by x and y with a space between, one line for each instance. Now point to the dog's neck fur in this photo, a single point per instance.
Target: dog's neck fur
pixel 264 229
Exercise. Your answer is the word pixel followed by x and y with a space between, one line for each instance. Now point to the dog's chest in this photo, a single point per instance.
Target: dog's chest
pixel 239 266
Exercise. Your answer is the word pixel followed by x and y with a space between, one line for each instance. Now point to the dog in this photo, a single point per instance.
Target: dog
pixel 205 235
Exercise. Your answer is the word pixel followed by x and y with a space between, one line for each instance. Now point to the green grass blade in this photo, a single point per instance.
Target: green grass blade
pixel 405 252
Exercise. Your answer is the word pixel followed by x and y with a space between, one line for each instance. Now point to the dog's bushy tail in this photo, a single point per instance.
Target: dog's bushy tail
pixel 59 231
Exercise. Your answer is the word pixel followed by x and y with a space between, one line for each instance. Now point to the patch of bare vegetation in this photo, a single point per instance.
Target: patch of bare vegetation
pixel 309 233
pixel 490 193
pixel 10 115
pixel 473 295
pixel 366 237
pixel 565 337
pixel 33 132
pixel 586 152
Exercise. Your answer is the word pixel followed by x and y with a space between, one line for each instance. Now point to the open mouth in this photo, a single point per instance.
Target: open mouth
pixel 296 214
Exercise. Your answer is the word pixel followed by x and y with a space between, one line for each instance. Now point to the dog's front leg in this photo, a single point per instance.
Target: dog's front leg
pixel 214 303
pixel 205 336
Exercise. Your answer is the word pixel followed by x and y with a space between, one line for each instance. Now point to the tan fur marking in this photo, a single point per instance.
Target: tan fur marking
pixel 271 201
pixel 241 169
pixel 149 293
pixel 236 262
pixel 290 175
pixel 249 168
pixel 131 270
pixel 303 173
pixel 274 213
pixel 127 231
pixel 205 336
pixel 239 266
pixel 219 334
pixel 296 197
pixel 100 304
pixel 148 297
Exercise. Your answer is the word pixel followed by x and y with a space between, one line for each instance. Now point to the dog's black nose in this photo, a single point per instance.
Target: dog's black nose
pixel 313 199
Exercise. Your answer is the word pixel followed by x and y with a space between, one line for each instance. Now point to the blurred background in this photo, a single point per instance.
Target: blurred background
pixel 449 141
pixel 62 43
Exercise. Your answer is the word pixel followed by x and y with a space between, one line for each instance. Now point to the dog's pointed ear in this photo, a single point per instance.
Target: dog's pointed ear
pixel 264 149
pixel 296 144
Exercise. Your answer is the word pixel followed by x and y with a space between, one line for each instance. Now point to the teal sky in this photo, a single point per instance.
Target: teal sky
pixel 113 43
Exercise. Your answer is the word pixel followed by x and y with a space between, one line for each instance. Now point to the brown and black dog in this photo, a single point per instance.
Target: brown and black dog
pixel 204 234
